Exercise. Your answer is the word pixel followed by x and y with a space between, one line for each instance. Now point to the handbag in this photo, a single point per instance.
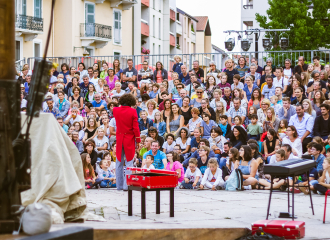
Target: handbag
pixel 235 181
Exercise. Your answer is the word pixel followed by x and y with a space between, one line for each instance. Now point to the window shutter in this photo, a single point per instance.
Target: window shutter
pixel 37 8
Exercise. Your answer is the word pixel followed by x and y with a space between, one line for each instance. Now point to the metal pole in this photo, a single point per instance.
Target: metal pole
pixel 7 40
pixel 256 45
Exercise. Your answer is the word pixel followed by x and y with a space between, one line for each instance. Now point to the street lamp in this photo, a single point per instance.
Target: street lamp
pixel 267 41
pixel 245 44
pixel 284 41
pixel 230 43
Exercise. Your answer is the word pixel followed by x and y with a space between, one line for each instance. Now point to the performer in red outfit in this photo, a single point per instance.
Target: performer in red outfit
pixel 127 134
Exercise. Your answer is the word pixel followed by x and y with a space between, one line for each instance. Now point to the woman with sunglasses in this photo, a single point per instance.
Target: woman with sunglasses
pixel 196 102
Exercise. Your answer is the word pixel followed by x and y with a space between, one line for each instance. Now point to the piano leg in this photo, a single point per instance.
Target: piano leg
pixel 270 195
pixel 287 181
pixel 310 194
pixel 293 180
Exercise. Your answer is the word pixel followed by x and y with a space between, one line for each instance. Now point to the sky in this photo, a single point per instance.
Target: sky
pixel 223 15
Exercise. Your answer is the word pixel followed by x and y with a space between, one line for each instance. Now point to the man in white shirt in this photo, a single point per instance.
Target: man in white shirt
pixel 280 81
pixel 74 117
pixel 288 154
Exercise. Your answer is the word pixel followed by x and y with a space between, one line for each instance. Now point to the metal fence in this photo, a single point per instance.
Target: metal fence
pixel 204 59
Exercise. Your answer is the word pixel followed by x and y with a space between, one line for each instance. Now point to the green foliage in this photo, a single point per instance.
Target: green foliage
pixel 309 28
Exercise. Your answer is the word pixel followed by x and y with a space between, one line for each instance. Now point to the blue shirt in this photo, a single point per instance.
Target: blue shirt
pixel 268 92
pixel 306 124
pixel 291 112
pixel 177 67
pixel 54 111
pixel 193 143
pixel 153 94
pixel 101 103
pixel 184 78
pixel 248 93
pixel 242 71
pixel 319 162
pixel 179 102
pixel 158 163
pixel 142 126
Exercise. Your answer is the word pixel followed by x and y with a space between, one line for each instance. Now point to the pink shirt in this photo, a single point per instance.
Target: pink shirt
pixel 176 165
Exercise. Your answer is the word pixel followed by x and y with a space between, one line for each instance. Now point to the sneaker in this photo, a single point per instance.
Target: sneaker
pixel 318 192
pixel 219 188
pixel 248 187
pixel 181 187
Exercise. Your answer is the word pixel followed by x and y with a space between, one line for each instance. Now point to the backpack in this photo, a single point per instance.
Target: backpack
pixel 235 181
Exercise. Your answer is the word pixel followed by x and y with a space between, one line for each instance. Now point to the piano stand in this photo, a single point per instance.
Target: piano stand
pixel 292 206
pixel 143 200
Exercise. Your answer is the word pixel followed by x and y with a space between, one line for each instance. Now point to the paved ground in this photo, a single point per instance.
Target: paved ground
pixel 200 209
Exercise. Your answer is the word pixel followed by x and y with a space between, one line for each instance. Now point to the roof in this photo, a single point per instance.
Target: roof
pixel 203 25
pixel 218 49
pixel 184 13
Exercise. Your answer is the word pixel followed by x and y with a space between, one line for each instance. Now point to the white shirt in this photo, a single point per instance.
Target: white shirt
pixel 169 148
pixel 287 72
pixel 98 88
pixel 296 145
pixel 150 167
pixel 24 103
pixel 108 129
pixel 208 176
pixel 152 116
pixel 113 123
pixel 192 176
pixel 280 83
pixel 193 125
pixel 213 104
pixel 273 158
pixel 77 119
pixel 240 85
pixel 112 167
pixel 183 145
pixel 101 142
pixel 95 81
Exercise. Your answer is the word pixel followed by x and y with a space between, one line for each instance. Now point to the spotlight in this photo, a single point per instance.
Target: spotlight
pixel 245 44
pixel 230 44
pixel 284 41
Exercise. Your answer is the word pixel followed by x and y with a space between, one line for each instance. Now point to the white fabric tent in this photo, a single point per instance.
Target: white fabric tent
pixel 56 175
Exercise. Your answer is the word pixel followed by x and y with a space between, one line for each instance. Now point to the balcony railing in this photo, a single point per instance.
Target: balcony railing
pixel 193 37
pixel 144 28
pixel 145 2
pixel 248 6
pixel 29 23
pixel 95 30
pixel 172 40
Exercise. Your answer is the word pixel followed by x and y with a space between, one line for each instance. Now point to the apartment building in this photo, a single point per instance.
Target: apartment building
pixel 100 27
pixel 154 26
pixel 248 21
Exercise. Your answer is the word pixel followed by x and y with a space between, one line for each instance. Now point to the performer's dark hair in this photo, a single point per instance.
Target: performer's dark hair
pixel 127 99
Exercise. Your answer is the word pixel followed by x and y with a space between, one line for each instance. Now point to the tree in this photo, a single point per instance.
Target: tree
pixel 309 28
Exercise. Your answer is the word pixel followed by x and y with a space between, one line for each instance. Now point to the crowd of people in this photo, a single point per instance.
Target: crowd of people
pixel 202 125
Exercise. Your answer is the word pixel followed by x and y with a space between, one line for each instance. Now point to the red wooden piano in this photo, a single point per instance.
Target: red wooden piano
pixel 145 180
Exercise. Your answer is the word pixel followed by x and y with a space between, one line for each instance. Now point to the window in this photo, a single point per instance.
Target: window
pixel 178 16
pixel 154 4
pixel 177 40
pixel 18 51
pixel 159 49
pixel 160 28
pixel 37 49
pixel 89 20
pixel 160 5
pixel 154 25
pixel 37 8
pixel 116 55
pixel 117 26
pixel 20 7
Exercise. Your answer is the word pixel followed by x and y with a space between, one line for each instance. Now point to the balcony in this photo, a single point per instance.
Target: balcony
pixel 145 2
pixel 126 4
pixel 248 6
pixel 178 28
pixel 29 26
pixel 144 28
pixel 95 33
pixel 172 40
pixel 172 15
pixel 193 37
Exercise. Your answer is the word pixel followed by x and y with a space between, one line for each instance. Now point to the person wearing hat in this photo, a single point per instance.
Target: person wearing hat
pixel 23 91
pixel 51 109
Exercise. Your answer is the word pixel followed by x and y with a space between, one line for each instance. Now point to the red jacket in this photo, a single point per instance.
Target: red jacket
pixel 127 131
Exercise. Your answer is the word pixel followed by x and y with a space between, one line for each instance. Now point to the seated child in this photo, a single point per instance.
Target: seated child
pixel 137 161
pixel 89 174
pixel 213 176
pixel 275 105
pixel 225 127
pixel 237 122
pixel 105 176
pixel 149 162
pixel 281 132
pixel 277 182
pixel 111 164
pixel 192 177
pixel 168 146
pixel 253 129
pixel 324 180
